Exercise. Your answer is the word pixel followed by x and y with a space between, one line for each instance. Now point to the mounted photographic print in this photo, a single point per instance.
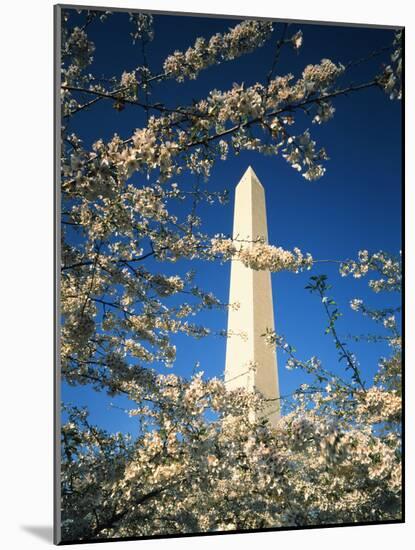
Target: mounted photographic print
pixel 228 254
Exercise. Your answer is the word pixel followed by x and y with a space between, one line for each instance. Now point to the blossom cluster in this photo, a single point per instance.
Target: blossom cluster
pixel 241 39
pixel 79 49
pixel 261 256
pixel 143 27
pixel 389 267
pixel 193 475
pixel 161 144
pixel 391 78
pixel 381 405
pixel 301 153
pixel 321 75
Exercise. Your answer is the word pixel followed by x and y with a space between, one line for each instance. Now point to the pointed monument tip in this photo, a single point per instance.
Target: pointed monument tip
pixel 250 177
pixel 250 171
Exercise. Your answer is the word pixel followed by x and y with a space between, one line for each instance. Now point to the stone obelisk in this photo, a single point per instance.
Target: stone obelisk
pixel 252 289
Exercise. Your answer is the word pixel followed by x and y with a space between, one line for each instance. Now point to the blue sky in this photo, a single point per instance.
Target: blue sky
pixel 356 205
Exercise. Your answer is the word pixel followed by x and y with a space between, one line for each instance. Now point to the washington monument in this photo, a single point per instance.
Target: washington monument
pixel 252 290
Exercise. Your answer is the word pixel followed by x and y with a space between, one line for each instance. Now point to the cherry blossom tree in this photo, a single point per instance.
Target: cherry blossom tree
pixel 201 462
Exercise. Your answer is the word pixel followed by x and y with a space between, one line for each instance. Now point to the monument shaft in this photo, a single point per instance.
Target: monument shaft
pixel 252 289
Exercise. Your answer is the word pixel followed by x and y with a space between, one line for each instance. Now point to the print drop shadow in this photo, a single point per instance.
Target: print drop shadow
pixel 43 532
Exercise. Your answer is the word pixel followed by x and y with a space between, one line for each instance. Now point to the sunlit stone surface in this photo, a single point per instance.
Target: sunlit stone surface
pixel 252 289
